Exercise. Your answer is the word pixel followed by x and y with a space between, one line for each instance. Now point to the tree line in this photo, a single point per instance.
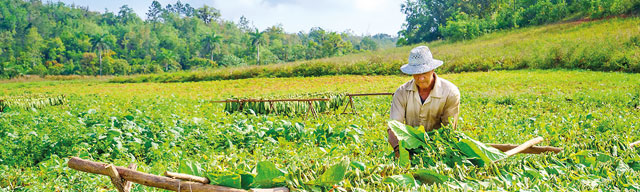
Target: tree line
pixel 429 20
pixel 59 39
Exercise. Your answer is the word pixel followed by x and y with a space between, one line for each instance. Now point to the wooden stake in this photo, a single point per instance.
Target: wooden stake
pixel 187 177
pixel 524 146
pixel 530 150
pixel 279 189
pixel 273 109
pixel 353 107
pixel 115 177
pixel 634 144
pixel 313 110
pixel 129 184
pixel 350 102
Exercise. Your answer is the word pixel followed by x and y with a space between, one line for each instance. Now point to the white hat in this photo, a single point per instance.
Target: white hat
pixel 420 61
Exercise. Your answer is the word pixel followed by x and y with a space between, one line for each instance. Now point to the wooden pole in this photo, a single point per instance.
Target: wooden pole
pixel 635 144
pixel 146 179
pixel 530 150
pixel 278 189
pixel 524 146
pixel 311 99
pixel 269 100
pixel 187 177
pixel 369 94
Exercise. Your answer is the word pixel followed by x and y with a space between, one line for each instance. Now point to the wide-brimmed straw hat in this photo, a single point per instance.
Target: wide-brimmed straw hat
pixel 420 61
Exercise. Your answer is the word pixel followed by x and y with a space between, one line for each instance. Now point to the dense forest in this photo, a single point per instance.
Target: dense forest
pixel 58 39
pixel 453 20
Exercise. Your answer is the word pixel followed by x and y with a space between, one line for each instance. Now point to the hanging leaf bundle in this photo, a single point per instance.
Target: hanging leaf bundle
pixel 30 101
pixel 289 108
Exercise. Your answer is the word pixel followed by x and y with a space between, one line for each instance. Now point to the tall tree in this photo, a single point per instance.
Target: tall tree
pixel 33 44
pixel 207 14
pixel 127 15
pixel 244 24
pixel 100 43
pixel 256 41
pixel 423 17
pixel 167 58
pixel 155 12
pixel 211 43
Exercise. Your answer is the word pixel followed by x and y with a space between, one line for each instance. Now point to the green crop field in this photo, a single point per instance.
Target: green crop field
pixel 594 116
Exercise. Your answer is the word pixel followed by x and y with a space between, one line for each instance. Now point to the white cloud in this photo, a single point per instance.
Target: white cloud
pixel 361 16
pixel 369 5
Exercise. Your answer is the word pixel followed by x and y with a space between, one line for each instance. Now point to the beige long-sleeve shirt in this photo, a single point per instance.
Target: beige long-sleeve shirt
pixel 439 108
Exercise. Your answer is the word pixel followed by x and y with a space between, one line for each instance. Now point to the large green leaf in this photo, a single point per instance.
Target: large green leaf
pixel 534 173
pixel 404 160
pixel 429 176
pixel 268 175
pixel 404 180
pixel 475 149
pixel 246 180
pixel 191 168
pixel 227 179
pixel 358 165
pixel 412 137
pixel 333 175
pixel 589 157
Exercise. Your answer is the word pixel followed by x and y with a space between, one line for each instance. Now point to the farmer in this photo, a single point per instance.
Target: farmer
pixel 427 99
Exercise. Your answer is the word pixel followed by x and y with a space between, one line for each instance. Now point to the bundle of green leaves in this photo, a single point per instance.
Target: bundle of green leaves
pixel 289 108
pixel 266 175
pixel 427 153
pixel 30 101
pixel 441 145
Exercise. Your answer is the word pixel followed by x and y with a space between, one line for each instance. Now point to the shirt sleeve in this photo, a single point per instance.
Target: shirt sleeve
pixel 451 109
pixel 399 106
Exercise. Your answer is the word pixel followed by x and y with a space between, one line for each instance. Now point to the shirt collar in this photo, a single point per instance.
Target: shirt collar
pixel 435 92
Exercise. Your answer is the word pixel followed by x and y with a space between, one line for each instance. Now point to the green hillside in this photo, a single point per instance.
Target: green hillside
pixel 601 45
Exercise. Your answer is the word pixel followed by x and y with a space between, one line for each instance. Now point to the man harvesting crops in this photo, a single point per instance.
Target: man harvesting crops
pixel 427 99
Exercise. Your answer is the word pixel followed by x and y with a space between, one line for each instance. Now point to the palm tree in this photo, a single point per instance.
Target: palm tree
pixel 211 42
pixel 256 40
pixel 100 43
pixel 166 57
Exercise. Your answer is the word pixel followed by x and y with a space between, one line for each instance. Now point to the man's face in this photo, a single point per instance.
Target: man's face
pixel 423 79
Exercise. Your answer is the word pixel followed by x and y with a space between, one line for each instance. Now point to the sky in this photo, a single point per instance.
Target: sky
pixel 361 17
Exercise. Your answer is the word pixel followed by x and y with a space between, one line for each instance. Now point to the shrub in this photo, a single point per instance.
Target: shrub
pixel 197 63
pixel 461 27
pixel 231 60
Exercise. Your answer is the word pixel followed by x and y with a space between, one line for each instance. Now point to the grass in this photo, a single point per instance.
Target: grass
pixel 161 125
pixel 601 45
